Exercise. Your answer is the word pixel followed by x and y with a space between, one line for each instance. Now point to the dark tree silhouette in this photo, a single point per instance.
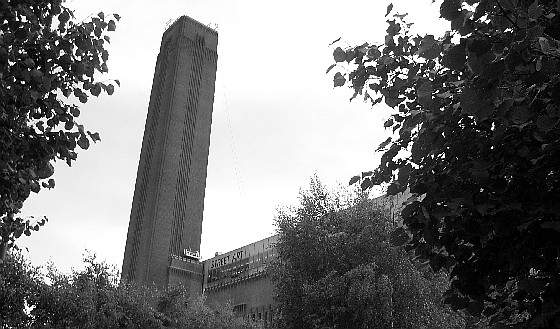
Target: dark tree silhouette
pixel 477 143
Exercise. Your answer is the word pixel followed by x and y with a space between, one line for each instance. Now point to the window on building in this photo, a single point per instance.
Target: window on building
pixel 260 261
pixel 239 310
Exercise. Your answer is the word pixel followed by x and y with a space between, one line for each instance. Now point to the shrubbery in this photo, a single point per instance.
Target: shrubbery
pixel 337 269
pixel 93 298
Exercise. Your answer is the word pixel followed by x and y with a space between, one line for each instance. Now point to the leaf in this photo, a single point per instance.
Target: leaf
pixel 479 47
pixel 373 52
pixel 431 236
pixel 469 101
pixel 424 93
pixel 454 58
pixel 118 82
pixel 69 125
pixel 95 90
pixel 545 123
pixel 335 41
pixel 77 92
pixel 421 266
pixel 350 55
pixel 393 29
pixel 388 123
pixel 75 111
pixel 339 55
pixel 111 26
pixel 390 41
pixel 399 237
pixel 475 308
pixel 354 180
pixel 104 55
pixel 428 48
pixel 395 188
pixel 117 17
pixel 520 114
pixel 392 102
pixel 425 212
pixel 328 70
pixel 110 89
pixel 366 183
pixel 532 286
pixel 535 11
pixel 45 172
pixel 450 9
pixel 29 63
pixel 404 173
pixel 94 136
pixel 367 173
pixel 545 47
pixel 534 32
pixel 83 142
pixel 63 17
pixel 383 144
pixel 389 8
pixel 339 80
pixel 494 70
pixel 523 151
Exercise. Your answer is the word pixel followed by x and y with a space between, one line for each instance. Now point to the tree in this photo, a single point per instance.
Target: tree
pixel 337 269
pixel 476 141
pixel 93 298
pixel 17 279
pixel 47 61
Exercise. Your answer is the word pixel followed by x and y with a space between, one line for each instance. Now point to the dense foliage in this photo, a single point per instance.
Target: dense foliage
pixel 17 280
pixel 47 61
pixel 92 298
pixel 337 269
pixel 476 135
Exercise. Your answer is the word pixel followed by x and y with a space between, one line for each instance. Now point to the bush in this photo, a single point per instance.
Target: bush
pixel 93 298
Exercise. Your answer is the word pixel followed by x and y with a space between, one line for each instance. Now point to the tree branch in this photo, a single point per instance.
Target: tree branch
pixel 506 15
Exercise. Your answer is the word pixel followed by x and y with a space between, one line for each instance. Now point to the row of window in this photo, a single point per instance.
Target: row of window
pixel 267 317
pixel 263 314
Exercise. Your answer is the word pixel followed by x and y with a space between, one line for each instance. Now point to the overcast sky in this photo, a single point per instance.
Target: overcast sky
pixel 277 120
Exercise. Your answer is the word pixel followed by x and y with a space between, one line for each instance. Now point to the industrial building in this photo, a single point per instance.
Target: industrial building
pixel 241 278
pixel 163 240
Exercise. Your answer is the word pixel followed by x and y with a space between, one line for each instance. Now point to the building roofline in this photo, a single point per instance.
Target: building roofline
pixel 225 253
pixel 192 20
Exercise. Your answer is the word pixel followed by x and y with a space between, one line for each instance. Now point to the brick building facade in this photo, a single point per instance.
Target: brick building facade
pixel 241 278
pixel 166 217
pixel 163 240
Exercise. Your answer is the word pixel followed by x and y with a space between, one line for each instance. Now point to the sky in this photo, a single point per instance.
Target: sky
pixel 277 120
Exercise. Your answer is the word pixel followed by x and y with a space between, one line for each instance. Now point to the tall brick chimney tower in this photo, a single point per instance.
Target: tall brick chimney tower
pixel 163 240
